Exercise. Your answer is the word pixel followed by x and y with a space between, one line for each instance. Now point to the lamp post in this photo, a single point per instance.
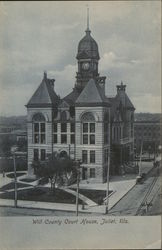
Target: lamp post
pixel 13 150
pixel 15 177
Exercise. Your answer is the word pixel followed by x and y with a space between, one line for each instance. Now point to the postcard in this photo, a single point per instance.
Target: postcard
pixel 80 125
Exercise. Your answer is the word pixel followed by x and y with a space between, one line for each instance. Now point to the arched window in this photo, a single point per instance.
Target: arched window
pixel 39 129
pixel 88 128
pixel 38 117
pixel 88 117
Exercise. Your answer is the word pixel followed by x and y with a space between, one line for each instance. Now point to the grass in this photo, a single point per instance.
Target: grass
pixel 43 194
pixel 95 195
pixel 27 179
pixel 12 186
pixel 11 175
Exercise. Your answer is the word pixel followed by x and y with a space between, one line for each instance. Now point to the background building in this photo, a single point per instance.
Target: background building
pixel 147 129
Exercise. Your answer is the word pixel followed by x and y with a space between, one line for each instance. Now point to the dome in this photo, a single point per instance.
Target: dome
pixel 88 47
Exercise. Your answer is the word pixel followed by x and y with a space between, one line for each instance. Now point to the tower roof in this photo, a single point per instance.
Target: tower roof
pixel 45 94
pixel 87 44
pixel 92 95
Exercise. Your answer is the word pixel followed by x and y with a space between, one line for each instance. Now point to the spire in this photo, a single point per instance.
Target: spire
pixel 88 30
pixel 45 75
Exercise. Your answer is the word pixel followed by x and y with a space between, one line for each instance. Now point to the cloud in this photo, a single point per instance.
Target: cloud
pixel 65 79
pixel 147 102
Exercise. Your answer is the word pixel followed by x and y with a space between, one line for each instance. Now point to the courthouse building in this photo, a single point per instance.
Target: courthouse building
pixel 85 125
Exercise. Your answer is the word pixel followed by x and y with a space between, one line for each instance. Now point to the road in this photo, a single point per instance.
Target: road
pixel 130 203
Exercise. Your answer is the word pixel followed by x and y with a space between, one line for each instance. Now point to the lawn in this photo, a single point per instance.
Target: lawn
pixel 28 179
pixel 43 194
pixel 12 186
pixel 11 175
pixel 95 195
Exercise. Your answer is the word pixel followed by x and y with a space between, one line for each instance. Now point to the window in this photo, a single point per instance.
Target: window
pixel 72 138
pixel 92 173
pixel 92 156
pixel 55 138
pixel 39 132
pixel 72 127
pixel 85 127
pixel 85 139
pixel 36 154
pixel 39 128
pixel 63 127
pixel 88 133
pixel 55 133
pixel 55 127
pixel 63 138
pixel 84 156
pixel 43 154
pixel 63 133
pixel 92 139
pixel 92 127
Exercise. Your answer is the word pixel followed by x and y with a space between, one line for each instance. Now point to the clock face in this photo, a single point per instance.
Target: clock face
pixel 85 66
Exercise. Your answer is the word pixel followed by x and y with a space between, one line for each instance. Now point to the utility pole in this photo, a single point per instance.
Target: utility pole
pixel 107 190
pixel 108 171
pixel 15 177
pixel 78 179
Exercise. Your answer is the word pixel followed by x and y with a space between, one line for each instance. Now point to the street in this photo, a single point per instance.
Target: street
pixel 131 202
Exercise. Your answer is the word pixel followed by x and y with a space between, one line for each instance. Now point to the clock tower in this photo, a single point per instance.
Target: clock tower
pixel 88 57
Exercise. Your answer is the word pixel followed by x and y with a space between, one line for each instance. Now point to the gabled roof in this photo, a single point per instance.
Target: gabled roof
pixel 63 104
pixel 92 94
pixel 44 95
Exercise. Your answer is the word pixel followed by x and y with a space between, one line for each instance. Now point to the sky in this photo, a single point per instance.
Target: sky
pixel 39 36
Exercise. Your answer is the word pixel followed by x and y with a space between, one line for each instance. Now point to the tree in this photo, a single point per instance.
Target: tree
pixel 57 170
pixel 6 142
pixel 22 145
